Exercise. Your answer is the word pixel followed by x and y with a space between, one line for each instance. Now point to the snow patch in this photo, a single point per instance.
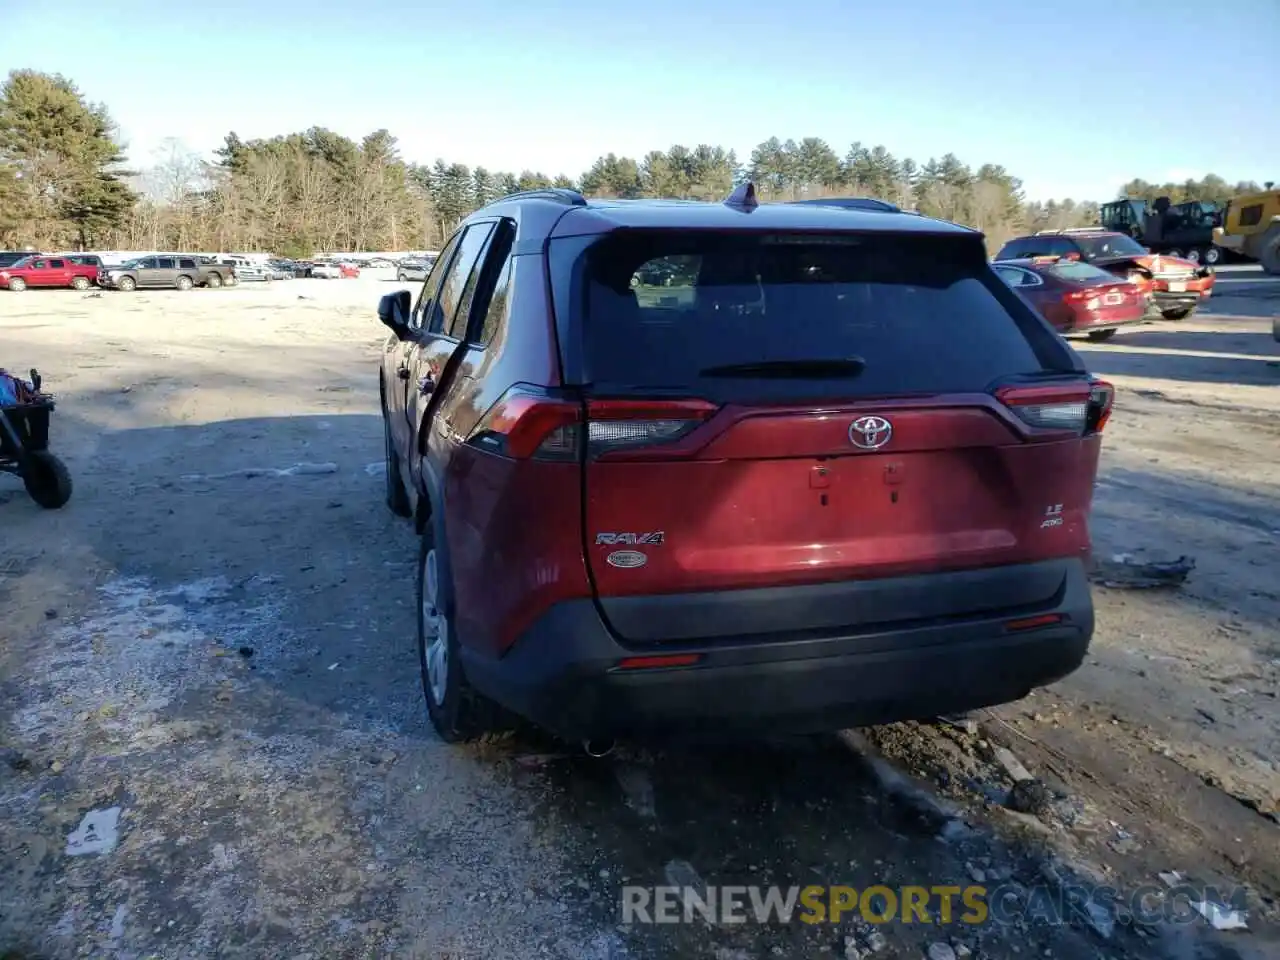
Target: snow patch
pixel 248 473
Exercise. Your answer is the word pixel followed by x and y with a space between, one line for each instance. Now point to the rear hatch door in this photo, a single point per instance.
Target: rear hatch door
pixel 772 412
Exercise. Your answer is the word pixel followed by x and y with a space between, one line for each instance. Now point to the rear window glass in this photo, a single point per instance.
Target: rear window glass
pixel 1080 272
pixel 922 313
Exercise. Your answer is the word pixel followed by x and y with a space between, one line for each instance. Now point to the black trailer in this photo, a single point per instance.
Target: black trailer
pixel 24 448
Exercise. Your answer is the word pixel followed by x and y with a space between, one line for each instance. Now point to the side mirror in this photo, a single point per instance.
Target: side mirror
pixel 393 310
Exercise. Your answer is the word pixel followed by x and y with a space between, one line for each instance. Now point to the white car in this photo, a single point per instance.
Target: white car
pixel 326 271
pixel 246 269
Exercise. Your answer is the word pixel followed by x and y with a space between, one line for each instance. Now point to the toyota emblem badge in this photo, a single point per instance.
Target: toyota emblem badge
pixel 870 433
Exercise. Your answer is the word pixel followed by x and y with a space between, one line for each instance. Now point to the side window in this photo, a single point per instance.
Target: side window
pixel 1012 250
pixel 186 263
pixel 496 315
pixel 475 297
pixel 165 263
pixel 431 286
pixel 57 264
pixel 147 263
pixel 1251 216
pixel 40 264
pixel 1062 246
pixel 455 281
pixel 1013 276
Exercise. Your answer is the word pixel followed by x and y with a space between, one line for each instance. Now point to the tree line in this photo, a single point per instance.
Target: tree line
pixel 64 183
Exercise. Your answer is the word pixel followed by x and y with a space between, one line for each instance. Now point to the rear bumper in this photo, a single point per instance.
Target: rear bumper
pixel 1163 300
pixel 563 672
pixel 1096 325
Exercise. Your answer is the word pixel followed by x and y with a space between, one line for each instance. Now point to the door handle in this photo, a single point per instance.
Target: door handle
pixel 402 373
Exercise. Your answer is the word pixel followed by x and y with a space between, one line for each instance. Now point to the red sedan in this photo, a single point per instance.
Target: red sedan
pixel 1077 297
pixel 40 270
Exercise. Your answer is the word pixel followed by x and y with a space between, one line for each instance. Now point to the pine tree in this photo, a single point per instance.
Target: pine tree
pixel 62 151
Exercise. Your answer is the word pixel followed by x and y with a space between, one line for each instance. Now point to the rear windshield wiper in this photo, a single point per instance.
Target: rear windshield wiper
pixel 824 369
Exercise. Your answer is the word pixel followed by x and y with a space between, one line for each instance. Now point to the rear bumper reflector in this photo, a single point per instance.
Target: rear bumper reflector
pixel 1033 623
pixel 657 662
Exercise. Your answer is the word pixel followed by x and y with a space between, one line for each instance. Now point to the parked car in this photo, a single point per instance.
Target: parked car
pixel 1178 286
pixel 281 269
pixel 841 476
pixel 325 271
pixel 176 271
pixel 248 271
pixel 348 271
pixel 1077 297
pixel 414 269
pixel 9 257
pixel 379 263
pixel 47 271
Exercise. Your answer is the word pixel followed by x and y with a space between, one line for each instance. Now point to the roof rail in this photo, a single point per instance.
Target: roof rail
pixel 556 194
pixel 1067 231
pixel 852 203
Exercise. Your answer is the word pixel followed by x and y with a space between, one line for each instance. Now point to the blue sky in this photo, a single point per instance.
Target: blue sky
pixel 1058 93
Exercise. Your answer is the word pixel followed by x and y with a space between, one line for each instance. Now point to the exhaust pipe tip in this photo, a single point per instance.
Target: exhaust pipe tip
pixel 598 748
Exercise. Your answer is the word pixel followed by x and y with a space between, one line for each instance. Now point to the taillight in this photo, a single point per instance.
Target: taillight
pixel 1102 396
pixel 530 423
pixel 1089 298
pixel 1050 407
pixel 625 424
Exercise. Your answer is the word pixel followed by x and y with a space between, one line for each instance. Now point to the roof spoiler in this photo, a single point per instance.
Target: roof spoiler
pixel 852 203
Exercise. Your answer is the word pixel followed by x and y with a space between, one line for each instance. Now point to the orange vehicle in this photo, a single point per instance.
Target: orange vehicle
pixel 1177 286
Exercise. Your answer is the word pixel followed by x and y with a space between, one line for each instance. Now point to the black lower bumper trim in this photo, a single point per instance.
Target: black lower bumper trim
pixel 563 674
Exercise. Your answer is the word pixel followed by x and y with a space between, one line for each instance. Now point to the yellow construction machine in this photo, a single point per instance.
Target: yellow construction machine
pixel 1251 227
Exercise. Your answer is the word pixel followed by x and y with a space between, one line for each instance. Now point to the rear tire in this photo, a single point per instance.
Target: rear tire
pixel 397 498
pixel 47 480
pixel 1176 254
pixel 1098 336
pixel 1213 256
pixel 79 283
pixel 458 713
pixel 183 283
pixel 214 281
pixel 1178 313
pixel 1270 258
pixel 17 284
pixel 127 284
pixel 1193 256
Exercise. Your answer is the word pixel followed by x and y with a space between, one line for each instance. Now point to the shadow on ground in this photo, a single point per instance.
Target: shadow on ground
pixel 1250 342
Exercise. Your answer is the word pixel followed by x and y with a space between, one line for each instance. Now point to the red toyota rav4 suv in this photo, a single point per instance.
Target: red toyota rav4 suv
pixel 688 468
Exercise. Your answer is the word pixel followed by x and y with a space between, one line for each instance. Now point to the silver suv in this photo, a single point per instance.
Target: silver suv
pixel 414 268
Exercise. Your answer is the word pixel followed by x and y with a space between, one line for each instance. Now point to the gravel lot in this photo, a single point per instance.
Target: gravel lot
pixel 216 637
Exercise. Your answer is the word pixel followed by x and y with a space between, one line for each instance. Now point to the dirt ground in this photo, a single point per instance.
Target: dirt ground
pixel 213 642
